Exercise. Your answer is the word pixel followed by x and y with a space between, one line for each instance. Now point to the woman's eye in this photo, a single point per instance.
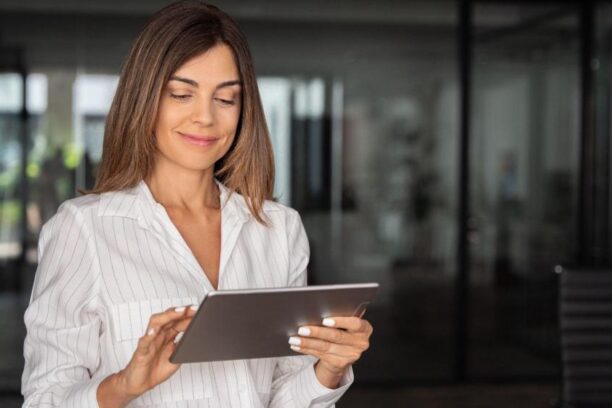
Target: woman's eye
pixel 226 101
pixel 180 97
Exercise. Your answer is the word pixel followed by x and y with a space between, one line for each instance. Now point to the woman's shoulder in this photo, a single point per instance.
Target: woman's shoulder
pixel 114 202
pixel 73 212
pixel 271 209
pixel 94 204
pixel 271 206
pixel 79 205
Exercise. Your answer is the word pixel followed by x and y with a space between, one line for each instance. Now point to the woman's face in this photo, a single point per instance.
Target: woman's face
pixel 199 110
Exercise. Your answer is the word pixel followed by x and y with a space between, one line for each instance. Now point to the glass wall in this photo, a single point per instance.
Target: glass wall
pixel 524 172
pixel 11 223
pixel 11 87
pixel 602 69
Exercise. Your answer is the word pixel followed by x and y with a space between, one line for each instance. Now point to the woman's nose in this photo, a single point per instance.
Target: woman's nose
pixel 202 113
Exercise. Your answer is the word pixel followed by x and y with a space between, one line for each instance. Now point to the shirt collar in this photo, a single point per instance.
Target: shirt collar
pixel 138 203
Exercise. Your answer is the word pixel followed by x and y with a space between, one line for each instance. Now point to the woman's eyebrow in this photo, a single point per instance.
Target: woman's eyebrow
pixel 185 80
pixel 195 84
pixel 229 83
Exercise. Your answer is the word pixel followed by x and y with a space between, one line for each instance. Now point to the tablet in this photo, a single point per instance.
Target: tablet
pixel 257 323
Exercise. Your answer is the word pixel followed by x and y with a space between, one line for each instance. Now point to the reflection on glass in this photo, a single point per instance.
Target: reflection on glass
pixel 276 99
pixel 93 95
pixel 524 157
pixel 398 222
pixel 602 70
pixel 11 88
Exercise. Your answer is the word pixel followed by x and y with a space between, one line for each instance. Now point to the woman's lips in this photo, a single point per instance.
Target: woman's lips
pixel 199 140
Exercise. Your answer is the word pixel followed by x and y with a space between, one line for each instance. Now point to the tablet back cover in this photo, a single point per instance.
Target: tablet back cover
pixel 231 325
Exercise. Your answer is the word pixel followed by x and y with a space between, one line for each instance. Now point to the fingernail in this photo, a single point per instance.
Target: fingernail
pixel 294 341
pixel 179 309
pixel 151 331
pixel 329 322
pixel 295 348
pixel 194 307
pixel 178 337
pixel 304 331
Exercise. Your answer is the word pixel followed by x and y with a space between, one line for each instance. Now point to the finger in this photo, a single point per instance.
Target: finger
pixel 328 334
pixel 169 345
pixel 157 336
pixel 357 340
pixel 167 352
pixel 159 319
pixel 353 324
pixel 163 338
pixel 178 337
pixel 322 346
pixel 173 332
pixel 179 325
pixel 177 329
pixel 333 360
pixel 311 352
pixel 145 342
pixel 167 334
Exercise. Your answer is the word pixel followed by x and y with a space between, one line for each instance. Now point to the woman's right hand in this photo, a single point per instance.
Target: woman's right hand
pixel 150 364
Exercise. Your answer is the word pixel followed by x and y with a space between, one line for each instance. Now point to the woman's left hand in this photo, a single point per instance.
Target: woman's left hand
pixel 338 345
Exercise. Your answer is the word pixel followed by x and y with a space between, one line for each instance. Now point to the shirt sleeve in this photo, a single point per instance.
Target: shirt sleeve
pixel 61 347
pixel 295 384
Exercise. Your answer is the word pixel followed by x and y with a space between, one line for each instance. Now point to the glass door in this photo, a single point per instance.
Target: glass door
pixel 524 159
pixel 602 68
pixel 12 226
pixel 14 237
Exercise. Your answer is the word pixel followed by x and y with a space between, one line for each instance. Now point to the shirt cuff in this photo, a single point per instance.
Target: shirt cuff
pixel 308 391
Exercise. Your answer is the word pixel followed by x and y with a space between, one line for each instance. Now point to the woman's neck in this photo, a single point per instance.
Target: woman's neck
pixel 184 189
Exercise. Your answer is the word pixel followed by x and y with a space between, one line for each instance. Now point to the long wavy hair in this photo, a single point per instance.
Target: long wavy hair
pixel 171 37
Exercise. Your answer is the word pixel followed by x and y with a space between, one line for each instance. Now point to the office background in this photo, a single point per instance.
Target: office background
pixel 457 152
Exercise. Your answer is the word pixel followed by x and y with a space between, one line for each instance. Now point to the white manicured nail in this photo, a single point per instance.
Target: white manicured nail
pixel 150 332
pixel 178 337
pixel 194 307
pixel 295 348
pixel 294 341
pixel 179 309
pixel 329 322
pixel 304 331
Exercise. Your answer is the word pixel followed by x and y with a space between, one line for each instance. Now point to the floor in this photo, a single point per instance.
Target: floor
pixel 466 396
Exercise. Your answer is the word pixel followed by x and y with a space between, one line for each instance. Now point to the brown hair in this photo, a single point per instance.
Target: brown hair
pixel 171 37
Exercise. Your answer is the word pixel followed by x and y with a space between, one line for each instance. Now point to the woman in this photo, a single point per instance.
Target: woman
pixel 182 206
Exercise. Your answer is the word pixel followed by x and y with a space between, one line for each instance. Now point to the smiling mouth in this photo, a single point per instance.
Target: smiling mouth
pixel 198 140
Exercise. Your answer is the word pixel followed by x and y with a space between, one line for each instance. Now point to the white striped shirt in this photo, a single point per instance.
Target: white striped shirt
pixel 109 261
